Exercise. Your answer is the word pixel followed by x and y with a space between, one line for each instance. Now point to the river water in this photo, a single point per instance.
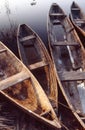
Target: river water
pixel 31 12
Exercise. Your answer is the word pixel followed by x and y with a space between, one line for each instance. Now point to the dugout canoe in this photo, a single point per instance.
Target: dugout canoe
pixel 35 56
pixel 77 15
pixel 19 85
pixel 80 32
pixel 77 18
pixel 68 56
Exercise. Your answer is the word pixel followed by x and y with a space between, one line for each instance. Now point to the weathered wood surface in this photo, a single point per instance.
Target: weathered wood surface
pixel 12 118
pixel 37 65
pixel 72 76
pixel 35 56
pixel 69 60
pixel 56 14
pixel 77 16
pixel 13 80
pixel 27 38
pixel 63 43
pixel 19 85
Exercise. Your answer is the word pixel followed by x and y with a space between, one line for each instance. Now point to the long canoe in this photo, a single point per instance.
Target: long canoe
pixel 77 15
pixel 68 56
pixel 19 85
pixel 78 20
pixel 35 56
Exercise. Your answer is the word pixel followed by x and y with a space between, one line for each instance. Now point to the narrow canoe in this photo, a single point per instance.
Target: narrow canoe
pixel 19 85
pixel 35 56
pixel 78 20
pixel 68 55
pixel 77 15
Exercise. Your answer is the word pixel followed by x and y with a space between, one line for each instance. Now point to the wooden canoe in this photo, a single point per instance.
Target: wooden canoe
pixel 77 15
pixel 68 55
pixel 80 32
pixel 77 18
pixel 19 85
pixel 35 56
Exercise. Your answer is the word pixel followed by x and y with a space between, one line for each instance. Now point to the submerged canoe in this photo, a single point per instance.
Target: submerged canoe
pixel 78 20
pixel 35 56
pixel 19 85
pixel 68 55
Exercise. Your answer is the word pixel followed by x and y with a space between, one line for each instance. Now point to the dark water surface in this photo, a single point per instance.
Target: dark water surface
pixel 31 12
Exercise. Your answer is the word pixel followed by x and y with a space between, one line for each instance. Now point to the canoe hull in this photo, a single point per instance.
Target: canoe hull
pixel 64 52
pixel 19 85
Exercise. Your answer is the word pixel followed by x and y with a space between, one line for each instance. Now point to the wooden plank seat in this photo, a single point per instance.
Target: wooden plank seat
pixel 3 50
pixel 72 76
pixel 66 43
pixel 37 65
pixel 82 118
pixel 45 113
pixel 28 44
pixel 57 14
pixel 56 22
pixel 69 30
pixel 75 9
pixel 79 21
pixel 27 38
pixel 13 80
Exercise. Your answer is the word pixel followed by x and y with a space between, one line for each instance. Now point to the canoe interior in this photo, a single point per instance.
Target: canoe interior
pixel 19 85
pixel 32 57
pixel 42 79
pixel 55 9
pixel 7 68
pixel 32 53
pixel 29 53
pixel 77 15
pixel 80 32
pixel 25 95
pixel 26 31
pixel 76 11
pixel 35 56
pixel 67 58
